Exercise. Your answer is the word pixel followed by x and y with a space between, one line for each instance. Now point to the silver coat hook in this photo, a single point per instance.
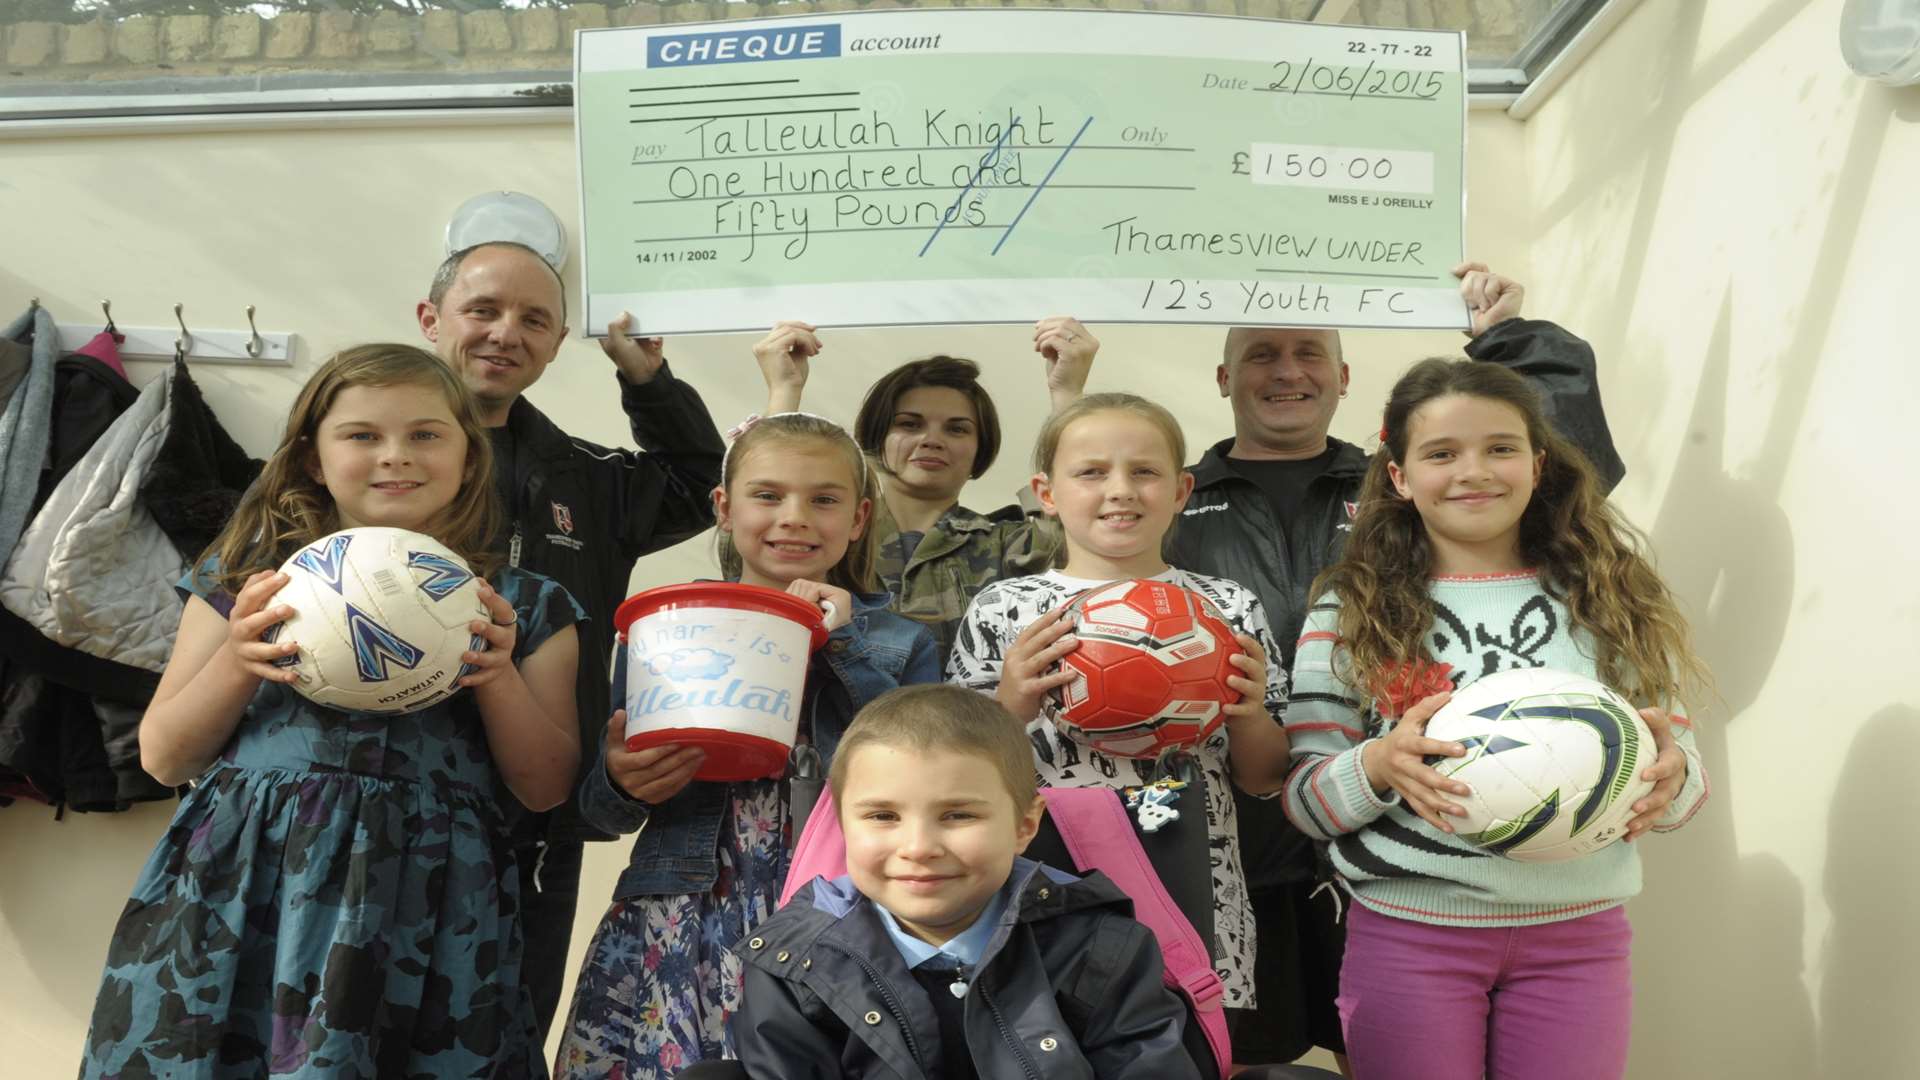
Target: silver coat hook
pixel 106 308
pixel 185 341
pixel 255 344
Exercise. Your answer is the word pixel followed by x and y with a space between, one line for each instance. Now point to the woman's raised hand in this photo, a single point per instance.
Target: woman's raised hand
pixel 1068 348
pixel 783 356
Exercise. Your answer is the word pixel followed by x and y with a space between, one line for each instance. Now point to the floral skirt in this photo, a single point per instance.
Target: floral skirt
pixel 660 980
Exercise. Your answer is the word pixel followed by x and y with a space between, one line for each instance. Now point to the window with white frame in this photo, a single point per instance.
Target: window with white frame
pixel 94 58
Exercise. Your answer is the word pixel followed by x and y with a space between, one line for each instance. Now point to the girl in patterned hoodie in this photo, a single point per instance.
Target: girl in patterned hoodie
pixel 1109 467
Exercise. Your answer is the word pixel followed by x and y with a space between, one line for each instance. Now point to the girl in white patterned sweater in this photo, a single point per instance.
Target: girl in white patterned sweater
pixel 1482 543
pixel 1109 467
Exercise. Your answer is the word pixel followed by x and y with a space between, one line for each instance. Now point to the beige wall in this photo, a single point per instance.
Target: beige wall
pixel 1728 215
pixel 332 233
pixel 1710 198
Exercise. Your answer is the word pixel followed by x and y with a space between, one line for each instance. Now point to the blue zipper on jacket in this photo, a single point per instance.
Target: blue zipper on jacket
pixel 893 1007
pixel 1026 1065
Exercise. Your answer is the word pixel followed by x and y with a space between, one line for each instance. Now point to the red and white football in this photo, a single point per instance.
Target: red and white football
pixel 1151 670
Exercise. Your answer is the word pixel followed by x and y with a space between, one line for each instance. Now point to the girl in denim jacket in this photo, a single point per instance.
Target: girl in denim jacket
pixel 660 980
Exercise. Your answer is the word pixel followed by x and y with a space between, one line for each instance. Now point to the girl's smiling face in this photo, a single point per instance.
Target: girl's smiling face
pixel 794 507
pixel 1470 471
pixel 389 455
pixel 1116 488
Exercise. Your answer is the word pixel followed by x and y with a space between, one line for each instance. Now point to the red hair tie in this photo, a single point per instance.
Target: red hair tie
pixel 1404 684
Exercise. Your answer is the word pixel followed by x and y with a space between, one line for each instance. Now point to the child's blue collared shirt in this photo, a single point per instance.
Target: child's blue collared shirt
pixel 963 949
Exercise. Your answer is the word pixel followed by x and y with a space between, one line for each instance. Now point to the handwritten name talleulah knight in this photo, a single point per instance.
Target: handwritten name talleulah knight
pixel 747 194
pixel 938 129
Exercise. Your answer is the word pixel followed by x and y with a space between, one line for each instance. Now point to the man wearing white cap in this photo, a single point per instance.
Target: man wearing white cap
pixel 576 512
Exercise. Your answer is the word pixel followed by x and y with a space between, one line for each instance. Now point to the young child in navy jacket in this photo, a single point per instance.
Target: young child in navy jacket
pixel 941 952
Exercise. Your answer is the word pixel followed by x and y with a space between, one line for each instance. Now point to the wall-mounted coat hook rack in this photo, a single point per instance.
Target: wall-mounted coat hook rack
pixel 196 345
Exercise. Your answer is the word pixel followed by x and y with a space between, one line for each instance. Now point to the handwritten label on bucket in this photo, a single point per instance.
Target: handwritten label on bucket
pixel 906 167
pixel 723 669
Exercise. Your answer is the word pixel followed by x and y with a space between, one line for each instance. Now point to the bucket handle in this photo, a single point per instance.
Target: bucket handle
pixel 828 610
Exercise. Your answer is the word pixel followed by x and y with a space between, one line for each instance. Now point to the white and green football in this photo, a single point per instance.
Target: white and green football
pixel 382 619
pixel 1554 761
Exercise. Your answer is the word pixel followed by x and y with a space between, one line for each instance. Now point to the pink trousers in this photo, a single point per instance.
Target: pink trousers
pixel 1422 1002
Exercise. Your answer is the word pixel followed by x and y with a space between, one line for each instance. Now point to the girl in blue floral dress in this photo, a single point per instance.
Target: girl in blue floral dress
pixel 334 897
pixel 660 981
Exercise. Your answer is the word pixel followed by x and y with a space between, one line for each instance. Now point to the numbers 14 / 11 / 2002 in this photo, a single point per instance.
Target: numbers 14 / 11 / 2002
pixel 646 258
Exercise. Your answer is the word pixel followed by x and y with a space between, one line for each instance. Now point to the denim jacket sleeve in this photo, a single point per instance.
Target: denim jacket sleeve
pixel 602 804
pixel 605 806
pixel 676 851
pixel 877 650
pixel 871 654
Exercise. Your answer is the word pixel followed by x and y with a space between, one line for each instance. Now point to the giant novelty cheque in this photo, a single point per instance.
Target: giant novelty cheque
pixel 899 168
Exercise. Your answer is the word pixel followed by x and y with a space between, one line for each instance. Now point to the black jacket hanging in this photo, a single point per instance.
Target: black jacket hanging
pixel 198 479
pixel 69 719
pixel 88 396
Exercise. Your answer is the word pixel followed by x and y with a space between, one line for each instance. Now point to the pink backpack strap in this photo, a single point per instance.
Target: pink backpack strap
pixel 1099 835
pixel 820 850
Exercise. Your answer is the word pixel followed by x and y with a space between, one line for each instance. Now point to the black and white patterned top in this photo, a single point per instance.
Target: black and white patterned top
pixel 995 619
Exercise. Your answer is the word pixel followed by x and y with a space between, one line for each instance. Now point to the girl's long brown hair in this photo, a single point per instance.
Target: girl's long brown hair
pixel 286 508
pixel 1586 554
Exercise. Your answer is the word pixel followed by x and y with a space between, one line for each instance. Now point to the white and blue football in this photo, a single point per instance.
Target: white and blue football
pixel 382 618
pixel 1554 761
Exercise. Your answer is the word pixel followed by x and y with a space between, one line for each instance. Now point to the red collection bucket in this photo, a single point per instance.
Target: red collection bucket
pixel 721 666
